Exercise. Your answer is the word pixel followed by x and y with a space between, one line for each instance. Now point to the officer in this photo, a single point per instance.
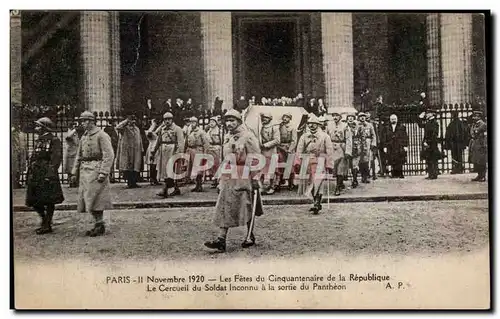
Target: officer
pixel 336 130
pixel 288 144
pixel 269 140
pixel 235 203
pixel 197 143
pixel 43 186
pixel 215 138
pixel 368 143
pixel 353 148
pixel 93 162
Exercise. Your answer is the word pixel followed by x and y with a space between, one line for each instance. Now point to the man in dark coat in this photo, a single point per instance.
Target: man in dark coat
pixel 456 140
pixel 395 145
pixel 129 157
pixel 43 185
pixel 478 147
pixel 430 151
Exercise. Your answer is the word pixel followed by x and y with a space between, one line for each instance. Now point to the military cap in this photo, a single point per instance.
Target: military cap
pixel 87 115
pixel 313 119
pixel 45 122
pixel 289 115
pixel 233 113
pixel 360 114
pixel 214 118
pixel 193 119
pixel 350 115
pixel 336 113
pixel 477 113
pixel 168 115
pixel 266 115
pixel 322 119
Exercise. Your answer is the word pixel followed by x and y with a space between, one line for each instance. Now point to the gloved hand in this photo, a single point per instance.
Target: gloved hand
pixel 101 178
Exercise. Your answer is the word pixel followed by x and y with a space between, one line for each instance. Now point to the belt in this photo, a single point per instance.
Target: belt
pixel 170 143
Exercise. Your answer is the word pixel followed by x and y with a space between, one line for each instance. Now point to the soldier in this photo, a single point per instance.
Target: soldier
pixel 129 154
pixel 197 143
pixel 375 150
pixel 314 144
pixel 71 147
pixel 170 142
pixel 237 196
pixel 93 162
pixel 269 140
pixel 368 143
pixel 288 144
pixel 336 130
pixel 109 127
pixel 323 122
pixel 215 138
pixel 151 161
pixel 353 148
pixel 478 147
pixel 42 180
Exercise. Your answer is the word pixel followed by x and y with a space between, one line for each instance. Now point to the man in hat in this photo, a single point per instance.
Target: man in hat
pixel 456 140
pixel 269 140
pixel 215 148
pixel 129 154
pixel 239 200
pixel 93 162
pixel 368 143
pixel 478 146
pixel 323 121
pixel 430 151
pixel 197 143
pixel 43 185
pixel 336 130
pixel 353 145
pixel 314 147
pixel 170 142
pixel 288 144
pixel 395 145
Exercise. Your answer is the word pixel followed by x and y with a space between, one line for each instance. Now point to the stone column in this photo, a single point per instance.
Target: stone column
pixel 338 67
pixel 114 26
pixel 434 90
pixel 217 57
pixel 95 46
pixel 456 57
pixel 15 57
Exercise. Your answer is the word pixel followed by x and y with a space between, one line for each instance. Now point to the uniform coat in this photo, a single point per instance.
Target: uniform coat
pixel 152 139
pixel 336 131
pixel 94 156
pixel 353 144
pixel 215 148
pixel 368 141
pixel 197 143
pixel 395 141
pixel 71 147
pixel 269 141
pixel 42 180
pixel 19 152
pixel 288 143
pixel 313 146
pixel 170 142
pixel 478 147
pixel 130 148
pixel 234 204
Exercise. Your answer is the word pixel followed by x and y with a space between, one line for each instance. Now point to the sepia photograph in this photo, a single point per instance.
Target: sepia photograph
pixel 224 160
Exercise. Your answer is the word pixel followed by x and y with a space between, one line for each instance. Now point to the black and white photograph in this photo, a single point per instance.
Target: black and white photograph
pixel 222 160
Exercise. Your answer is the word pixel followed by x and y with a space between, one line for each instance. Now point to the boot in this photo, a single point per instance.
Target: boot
pixel 219 244
pixel 317 205
pixel 41 212
pixel 373 170
pixel 134 176
pixel 164 192
pixel 291 186
pixel 47 221
pixel 176 191
pixel 98 230
pixel 354 178
pixel 338 187
pixel 198 188
pixel 250 243
pixel 365 173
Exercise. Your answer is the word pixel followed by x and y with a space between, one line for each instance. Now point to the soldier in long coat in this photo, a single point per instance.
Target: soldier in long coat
pixel 197 143
pixel 19 155
pixel 287 147
pixel 42 180
pixel 215 148
pixel 269 141
pixel 353 148
pixel 478 147
pixel 93 162
pixel 110 129
pixel 237 195
pixel 368 144
pixel 129 154
pixel 456 140
pixel 151 161
pixel 71 147
pixel 314 149
pixel 395 145
pixel 430 150
pixel 336 130
pixel 170 142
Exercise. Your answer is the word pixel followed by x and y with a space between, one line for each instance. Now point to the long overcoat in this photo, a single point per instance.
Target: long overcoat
pixel 94 156
pixel 19 152
pixel 395 141
pixel 478 146
pixel 336 131
pixel 130 148
pixel 431 152
pixel 170 142
pixel 43 184
pixel 71 147
pixel 215 148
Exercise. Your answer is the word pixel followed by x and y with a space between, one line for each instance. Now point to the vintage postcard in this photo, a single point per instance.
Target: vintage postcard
pixel 249 160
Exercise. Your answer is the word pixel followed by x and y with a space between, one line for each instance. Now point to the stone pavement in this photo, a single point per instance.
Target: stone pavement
pixel 446 187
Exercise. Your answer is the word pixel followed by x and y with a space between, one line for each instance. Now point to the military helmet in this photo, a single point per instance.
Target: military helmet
pixel 266 115
pixel 313 119
pixel 45 122
pixel 233 113
pixel 87 115
pixel 361 114
pixel 289 115
pixel 193 119
pixel 168 115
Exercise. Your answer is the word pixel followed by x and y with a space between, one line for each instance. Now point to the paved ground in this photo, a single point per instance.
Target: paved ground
pixel 415 187
pixel 398 228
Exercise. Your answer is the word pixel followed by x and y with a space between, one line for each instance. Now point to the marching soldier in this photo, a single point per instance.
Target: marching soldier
pixel 288 144
pixel 43 185
pixel 269 140
pixel 170 142
pixel 368 143
pixel 314 144
pixel 478 147
pixel 197 143
pixel 93 162
pixel 336 131
pixel 353 148
pixel 215 138
pixel 239 199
